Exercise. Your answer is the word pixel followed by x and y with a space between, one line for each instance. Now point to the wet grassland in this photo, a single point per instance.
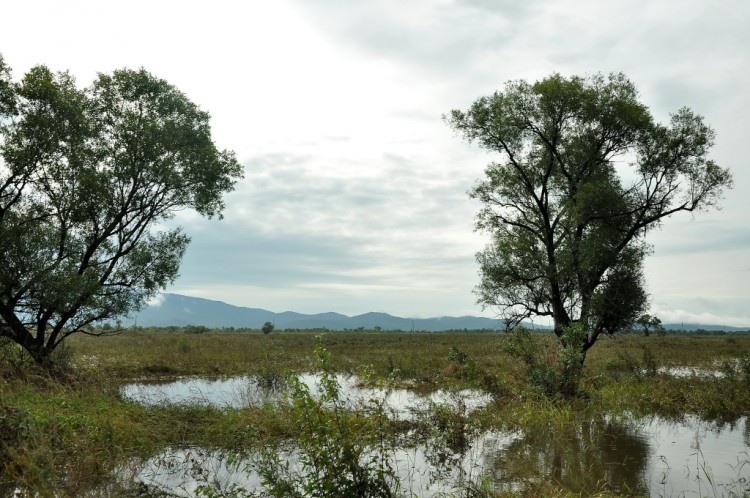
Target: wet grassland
pixel 418 414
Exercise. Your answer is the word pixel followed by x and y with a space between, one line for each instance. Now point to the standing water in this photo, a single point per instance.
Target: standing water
pixel 644 457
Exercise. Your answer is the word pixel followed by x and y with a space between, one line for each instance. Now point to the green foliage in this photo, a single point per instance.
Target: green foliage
pixel 554 371
pixel 14 430
pixel 568 233
pixel 466 369
pixel 341 454
pixel 743 364
pixel 650 324
pixel 646 367
pixel 447 434
pixel 195 329
pixel 462 366
pixel 650 367
pixel 267 328
pixel 68 438
pixel 737 369
pixel 86 178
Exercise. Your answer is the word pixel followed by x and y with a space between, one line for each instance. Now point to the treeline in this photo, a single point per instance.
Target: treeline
pixel 201 329
pixel 698 331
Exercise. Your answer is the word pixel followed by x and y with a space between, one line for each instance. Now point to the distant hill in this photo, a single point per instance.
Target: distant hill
pixel 702 326
pixel 179 310
pixel 175 309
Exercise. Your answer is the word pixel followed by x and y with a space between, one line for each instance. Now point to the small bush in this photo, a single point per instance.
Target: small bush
pixel 555 371
pixel 466 369
pixel 14 429
pixel 195 329
pixel 340 453
pixel 743 364
pixel 646 367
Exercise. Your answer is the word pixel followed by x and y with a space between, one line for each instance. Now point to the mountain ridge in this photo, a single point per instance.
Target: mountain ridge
pixel 180 310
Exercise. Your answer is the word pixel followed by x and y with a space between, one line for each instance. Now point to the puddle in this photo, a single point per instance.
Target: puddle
pixel 184 471
pixel 649 457
pixel 718 370
pixel 705 458
pixel 691 372
pixel 644 457
pixel 234 392
pixel 241 392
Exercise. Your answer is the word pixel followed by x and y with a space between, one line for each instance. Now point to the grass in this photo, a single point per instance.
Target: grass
pixel 69 434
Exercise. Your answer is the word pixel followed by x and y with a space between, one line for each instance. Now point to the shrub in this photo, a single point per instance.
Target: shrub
pixel 340 453
pixel 555 371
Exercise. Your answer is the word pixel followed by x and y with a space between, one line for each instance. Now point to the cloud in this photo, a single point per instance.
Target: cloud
pixel 292 227
pixel 678 315
pixel 156 301
pixel 355 193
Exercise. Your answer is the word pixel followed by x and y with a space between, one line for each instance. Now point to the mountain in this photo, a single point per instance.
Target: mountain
pixel 175 309
pixel 702 326
pixel 178 310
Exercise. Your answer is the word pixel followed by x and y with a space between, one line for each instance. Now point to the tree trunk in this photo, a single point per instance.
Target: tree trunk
pixel 35 347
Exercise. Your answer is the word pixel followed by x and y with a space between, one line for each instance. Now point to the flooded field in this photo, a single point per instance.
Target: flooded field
pixel 652 457
pixel 630 456
pixel 162 414
pixel 241 392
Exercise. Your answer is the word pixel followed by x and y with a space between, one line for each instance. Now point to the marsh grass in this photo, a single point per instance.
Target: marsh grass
pixel 67 432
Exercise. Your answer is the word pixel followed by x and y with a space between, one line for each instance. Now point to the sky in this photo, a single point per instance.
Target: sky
pixel 354 197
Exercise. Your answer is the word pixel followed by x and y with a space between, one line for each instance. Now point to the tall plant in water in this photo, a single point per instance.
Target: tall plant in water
pixel 340 452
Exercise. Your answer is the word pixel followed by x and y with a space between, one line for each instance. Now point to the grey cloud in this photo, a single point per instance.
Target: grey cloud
pixel 696 236
pixel 417 114
pixel 442 38
pixel 229 255
pixel 288 224
pixel 509 8
pixel 288 195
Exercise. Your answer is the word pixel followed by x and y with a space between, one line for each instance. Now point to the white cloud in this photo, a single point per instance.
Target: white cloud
pixel 354 198
pixel 156 301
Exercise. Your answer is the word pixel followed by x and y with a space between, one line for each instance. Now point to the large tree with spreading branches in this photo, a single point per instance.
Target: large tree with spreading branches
pixel 584 172
pixel 87 179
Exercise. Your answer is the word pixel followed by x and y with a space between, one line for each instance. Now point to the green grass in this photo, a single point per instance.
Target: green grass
pixel 68 434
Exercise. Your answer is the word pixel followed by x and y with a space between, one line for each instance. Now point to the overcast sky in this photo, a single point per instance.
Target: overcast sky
pixel 354 196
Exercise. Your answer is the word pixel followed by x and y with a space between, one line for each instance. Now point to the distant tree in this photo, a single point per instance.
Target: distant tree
pixel 195 329
pixel 87 179
pixel 267 327
pixel 583 173
pixel 650 324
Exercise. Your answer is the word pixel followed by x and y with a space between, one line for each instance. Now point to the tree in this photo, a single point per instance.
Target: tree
pixel 267 328
pixel 650 323
pixel 87 180
pixel 584 173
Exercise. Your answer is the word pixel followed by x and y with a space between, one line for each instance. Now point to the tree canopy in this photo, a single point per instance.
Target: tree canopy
pixel 87 179
pixel 650 324
pixel 583 173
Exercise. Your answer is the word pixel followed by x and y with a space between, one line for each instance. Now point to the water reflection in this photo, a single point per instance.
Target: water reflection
pixel 241 392
pixel 642 457
pixel 183 471
pixel 234 392
pixel 597 454
pixel 624 455
pixel 709 459
pixel 645 457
